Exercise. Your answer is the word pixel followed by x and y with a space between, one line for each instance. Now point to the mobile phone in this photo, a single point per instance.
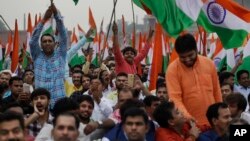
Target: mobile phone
pixel 131 78
pixel 26 88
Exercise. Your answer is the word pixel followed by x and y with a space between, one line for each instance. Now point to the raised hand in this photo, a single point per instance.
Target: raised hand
pixel 115 28
pixel 47 14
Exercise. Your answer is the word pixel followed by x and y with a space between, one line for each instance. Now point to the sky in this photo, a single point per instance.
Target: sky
pixel 73 15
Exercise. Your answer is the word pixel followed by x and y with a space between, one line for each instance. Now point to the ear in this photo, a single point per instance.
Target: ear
pixel 171 122
pixel 214 121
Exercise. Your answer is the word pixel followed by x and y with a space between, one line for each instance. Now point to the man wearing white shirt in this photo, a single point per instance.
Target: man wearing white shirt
pixel 102 106
pixel 244 83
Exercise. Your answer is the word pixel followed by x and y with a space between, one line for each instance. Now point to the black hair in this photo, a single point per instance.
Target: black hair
pixel 133 112
pixel 47 34
pixel 225 75
pixel 15 78
pixel 76 66
pixel 10 105
pixel 148 100
pixel 163 113
pixel 213 111
pixel 185 43
pixel 129 49
pixel 38 92
pixel 122 74
pixel 87 98
pixel 68 114
pixel 27 70
pixel 130 103
pixel 10 116
pixel 237 98
pixel 240 72
pixel 160 85
pixel 63 105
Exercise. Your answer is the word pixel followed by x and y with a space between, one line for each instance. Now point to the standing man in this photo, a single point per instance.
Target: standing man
pixel 128 61
pixel 192 81
pixel 50 62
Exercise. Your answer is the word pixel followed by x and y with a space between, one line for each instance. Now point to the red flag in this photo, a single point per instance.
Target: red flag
pixel 14 59
pixel 156 67
pixel 91 19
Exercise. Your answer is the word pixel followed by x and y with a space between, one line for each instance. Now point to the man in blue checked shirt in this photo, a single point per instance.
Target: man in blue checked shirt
pixel 49 63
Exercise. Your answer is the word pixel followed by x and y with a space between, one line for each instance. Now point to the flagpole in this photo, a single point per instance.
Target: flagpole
pixel 6 24
pixel 111 18
pixel 132 5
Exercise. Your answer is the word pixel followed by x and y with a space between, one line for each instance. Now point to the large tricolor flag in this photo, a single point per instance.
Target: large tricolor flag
pixel 231 30
pixel 174 15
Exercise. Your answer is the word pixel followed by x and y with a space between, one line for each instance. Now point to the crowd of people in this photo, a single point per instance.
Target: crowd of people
pixel 112 102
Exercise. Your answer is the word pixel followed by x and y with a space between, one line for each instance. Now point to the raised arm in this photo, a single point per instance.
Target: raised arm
pixel 34 41
pixel 62 31
pixel 73 50
pixel 146 48
pixel 116 49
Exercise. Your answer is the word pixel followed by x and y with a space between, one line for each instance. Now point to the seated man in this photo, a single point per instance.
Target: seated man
pixel 237 106
pixel 11 127
pixel 173 126
pixel 219 117
pixel 65 127
pixel 118 132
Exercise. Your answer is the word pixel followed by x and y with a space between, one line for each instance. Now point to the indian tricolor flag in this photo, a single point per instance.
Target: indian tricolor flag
pixel 246 58
pixel 231 29
pixel 95 56
pixel 230 53
pixel 174 15
pixel 219 55
pixel 81 32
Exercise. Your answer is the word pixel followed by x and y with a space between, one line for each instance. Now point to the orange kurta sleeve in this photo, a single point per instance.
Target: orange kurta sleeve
pixel 174 88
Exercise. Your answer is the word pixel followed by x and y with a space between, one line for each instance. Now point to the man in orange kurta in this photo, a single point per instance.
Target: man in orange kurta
pixel 192 81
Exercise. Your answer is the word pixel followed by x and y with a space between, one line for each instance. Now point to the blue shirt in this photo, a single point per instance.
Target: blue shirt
pixel 209 135
pixel 50 70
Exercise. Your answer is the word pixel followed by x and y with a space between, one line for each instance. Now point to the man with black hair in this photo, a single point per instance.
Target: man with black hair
pixel 18 95
pixel 11 127
pixel 219 117
pixel 135 124
pixel 151 102
pixel 161 92
pixel 192 80
pixel 226 90
pixel 128 61
pixel 34 122
pixel 173 125
pixel 77 83
pixel 120 82
pixel 118 131
pixel 237 105
pixel 243 86
pixel 226 77
pixel 66 127
pixel 62 105
pixel 49 63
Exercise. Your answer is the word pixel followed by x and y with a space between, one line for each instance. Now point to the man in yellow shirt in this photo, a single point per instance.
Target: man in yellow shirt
pixel 192 81
pixel 77 83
